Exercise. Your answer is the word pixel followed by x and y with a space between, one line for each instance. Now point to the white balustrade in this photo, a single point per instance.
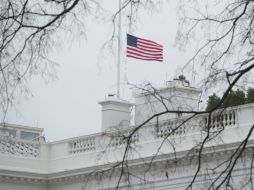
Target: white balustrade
pixel 82 145
pixel 173 128
pixel 170 128
pixel 119 140
pixel 221 119
pixel 19 148
pixel 88 144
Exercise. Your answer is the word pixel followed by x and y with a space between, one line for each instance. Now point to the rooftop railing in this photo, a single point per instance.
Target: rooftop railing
pixel 19 148
pixel 172 128
pixel 164 129
pixel 107 147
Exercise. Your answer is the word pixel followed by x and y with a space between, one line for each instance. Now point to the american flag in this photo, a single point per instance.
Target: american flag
pixel 139 48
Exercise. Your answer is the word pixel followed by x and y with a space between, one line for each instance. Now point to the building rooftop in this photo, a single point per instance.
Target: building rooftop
pixel 23 151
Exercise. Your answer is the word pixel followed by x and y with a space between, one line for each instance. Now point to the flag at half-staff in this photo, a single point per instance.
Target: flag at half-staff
pixel 139 48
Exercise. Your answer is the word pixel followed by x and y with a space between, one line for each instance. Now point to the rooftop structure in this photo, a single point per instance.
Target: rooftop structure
pixel 159 156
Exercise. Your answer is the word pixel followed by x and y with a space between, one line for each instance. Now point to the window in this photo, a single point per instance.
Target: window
pixel 29 136
pixel 10 132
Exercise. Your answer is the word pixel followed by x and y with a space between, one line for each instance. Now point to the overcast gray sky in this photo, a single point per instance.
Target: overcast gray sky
pixel 68 106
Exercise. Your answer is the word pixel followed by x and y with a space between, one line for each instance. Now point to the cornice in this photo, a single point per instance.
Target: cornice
pixel 23 177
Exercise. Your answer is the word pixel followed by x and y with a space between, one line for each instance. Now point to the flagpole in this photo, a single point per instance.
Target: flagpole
pixel 119 50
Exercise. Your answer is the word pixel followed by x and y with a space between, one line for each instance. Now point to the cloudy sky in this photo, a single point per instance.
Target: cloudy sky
pixel 68 106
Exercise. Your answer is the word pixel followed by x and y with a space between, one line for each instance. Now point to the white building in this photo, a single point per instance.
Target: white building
pixel 155 160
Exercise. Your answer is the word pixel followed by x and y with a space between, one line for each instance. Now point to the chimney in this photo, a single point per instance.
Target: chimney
pixel 115 113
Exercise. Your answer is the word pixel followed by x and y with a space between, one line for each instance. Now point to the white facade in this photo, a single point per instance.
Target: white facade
pixel 86 162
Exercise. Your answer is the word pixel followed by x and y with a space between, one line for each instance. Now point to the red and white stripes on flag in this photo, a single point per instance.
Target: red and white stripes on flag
pixel 139 48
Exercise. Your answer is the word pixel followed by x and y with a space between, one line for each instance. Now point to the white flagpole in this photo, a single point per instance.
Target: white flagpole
pixel 119 51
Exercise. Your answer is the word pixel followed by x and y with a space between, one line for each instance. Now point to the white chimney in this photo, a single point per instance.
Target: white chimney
pixel 115 113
